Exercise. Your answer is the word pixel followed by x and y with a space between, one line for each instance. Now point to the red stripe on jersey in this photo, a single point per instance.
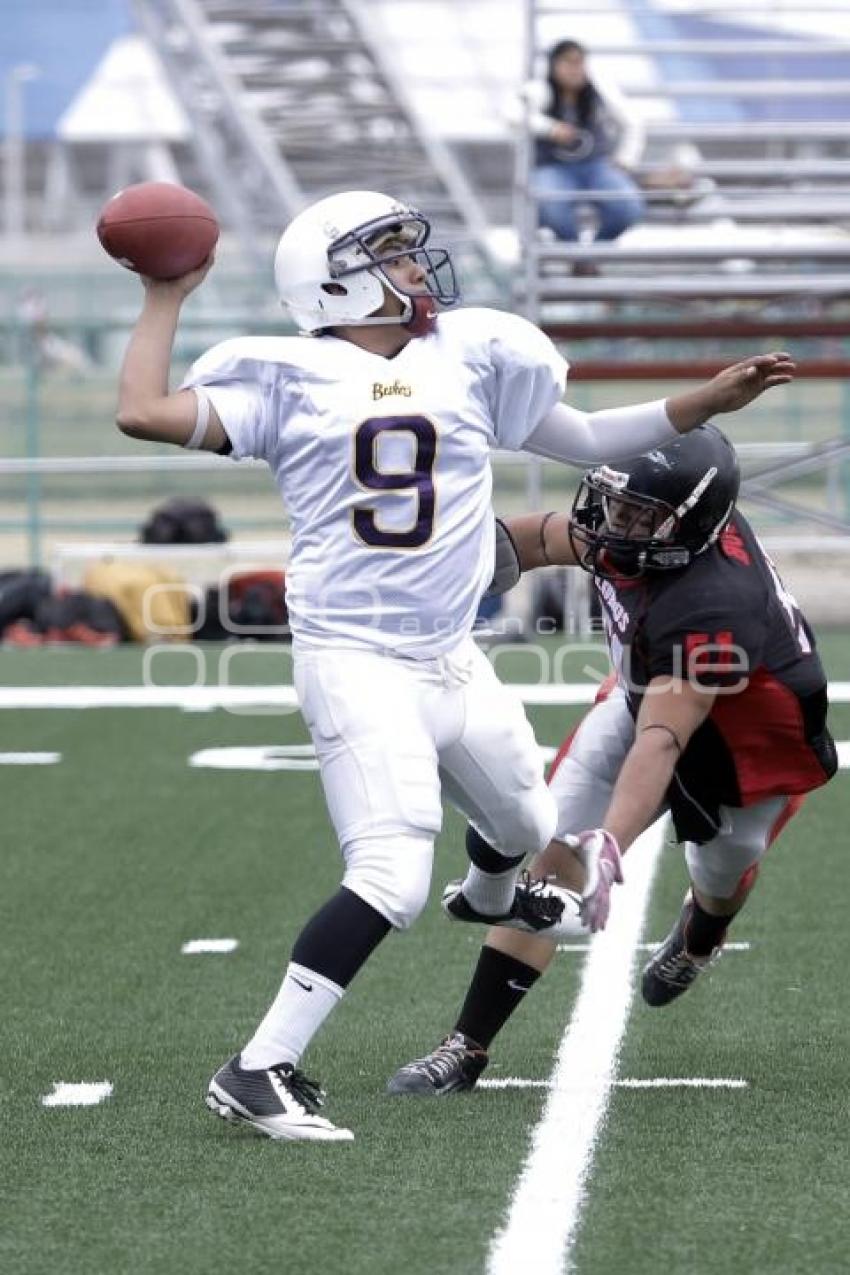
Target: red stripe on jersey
pixel 764 732
pixel 601 695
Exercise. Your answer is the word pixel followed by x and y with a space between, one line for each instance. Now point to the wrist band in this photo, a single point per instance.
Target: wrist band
pixel 543 549
pixel 202 419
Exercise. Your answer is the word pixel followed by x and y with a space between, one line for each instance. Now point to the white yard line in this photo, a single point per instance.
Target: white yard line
pixel 743 946
pixel 651 1082
pixel 686 1082
pixel 200 698
pixel 77 1095
pixel 548 1196
pixel 30 759
pixel 198 947
pixel 257 757
pixel 186 697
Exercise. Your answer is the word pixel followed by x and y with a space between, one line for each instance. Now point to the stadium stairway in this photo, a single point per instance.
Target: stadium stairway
pixel 291 100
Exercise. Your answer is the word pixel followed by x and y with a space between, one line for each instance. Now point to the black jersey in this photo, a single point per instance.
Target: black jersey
pixel 726 621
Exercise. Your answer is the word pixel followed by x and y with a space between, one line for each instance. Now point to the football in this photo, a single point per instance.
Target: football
pixel 158 229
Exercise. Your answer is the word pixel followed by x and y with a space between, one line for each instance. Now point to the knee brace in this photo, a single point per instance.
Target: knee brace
pixel 392 874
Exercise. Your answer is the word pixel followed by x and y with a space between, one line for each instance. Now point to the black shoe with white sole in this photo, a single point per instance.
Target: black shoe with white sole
pixel 673 969
pixel 279 1102
pixel 538 908
pixel 454 1066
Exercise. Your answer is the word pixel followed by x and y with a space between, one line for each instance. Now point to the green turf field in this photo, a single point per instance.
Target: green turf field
pixel 121 852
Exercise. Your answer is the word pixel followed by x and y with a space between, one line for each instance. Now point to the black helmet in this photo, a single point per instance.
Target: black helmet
pixel 658 511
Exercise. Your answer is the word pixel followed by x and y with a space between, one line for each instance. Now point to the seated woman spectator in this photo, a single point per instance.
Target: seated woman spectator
pixel 586 140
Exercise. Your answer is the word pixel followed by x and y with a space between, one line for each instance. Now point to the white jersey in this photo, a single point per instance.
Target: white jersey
pixel 383 465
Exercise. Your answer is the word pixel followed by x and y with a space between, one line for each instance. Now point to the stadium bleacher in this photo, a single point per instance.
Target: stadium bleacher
pixel 285 101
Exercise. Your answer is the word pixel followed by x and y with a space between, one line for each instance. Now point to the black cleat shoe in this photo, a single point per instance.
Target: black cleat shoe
pixel 454 1066
pixel 538 907
pixel 277 1101
pixel 673 969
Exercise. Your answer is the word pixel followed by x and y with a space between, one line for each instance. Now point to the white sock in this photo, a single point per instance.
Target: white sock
pixel 490 893
pixel 301 1006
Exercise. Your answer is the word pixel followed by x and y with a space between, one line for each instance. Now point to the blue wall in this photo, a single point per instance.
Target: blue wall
pixel 65 39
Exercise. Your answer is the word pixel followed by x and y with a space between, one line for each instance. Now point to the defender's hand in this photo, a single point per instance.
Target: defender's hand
pixel 738 385
pixel 600 854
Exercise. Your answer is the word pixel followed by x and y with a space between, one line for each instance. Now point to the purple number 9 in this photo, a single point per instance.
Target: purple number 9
pixel 419 479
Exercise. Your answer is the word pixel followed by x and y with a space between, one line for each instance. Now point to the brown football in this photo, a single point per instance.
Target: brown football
pixel 158 229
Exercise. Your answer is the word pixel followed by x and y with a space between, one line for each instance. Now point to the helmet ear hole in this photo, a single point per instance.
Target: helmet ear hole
pixel 335 289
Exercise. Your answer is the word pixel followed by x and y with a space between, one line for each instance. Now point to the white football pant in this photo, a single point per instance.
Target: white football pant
pixel 583 781
pixel 389 734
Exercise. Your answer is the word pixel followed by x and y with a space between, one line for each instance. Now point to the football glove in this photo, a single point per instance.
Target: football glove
pixel 600 854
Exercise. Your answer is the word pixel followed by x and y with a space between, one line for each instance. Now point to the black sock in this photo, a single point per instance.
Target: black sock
pixel 704 932
pixel 498 986
pixel 341 936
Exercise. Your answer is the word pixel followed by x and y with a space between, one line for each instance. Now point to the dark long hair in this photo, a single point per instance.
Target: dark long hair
pixel 588 94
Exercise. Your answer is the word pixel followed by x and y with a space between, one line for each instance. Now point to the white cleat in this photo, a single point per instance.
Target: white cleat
pixel 539 907
pixel 279 1102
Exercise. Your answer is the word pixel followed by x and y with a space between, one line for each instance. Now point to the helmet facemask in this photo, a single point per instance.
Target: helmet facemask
pixel 616 533
pixel 375 244
pixel 660 510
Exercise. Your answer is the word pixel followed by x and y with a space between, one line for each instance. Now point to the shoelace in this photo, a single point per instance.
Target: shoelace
pixel 440 1064
pixel 536 899
pixel 307 1092
pixel 678 968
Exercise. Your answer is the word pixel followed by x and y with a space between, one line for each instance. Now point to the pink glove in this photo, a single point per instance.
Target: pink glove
pixel 600 854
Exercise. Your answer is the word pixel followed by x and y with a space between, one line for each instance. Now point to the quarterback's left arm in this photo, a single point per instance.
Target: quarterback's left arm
pixel 618 433
pixel 672 709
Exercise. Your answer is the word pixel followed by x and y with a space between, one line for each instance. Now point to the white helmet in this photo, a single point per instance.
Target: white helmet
pixel 328 262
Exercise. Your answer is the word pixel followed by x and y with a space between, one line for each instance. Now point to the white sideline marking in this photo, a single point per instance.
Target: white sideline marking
pixel 744 946
pixel 203 698
pixel 194 947
pixel 81 1095
pixel 550 1191
pixel 842 747
pixel 261 757
pixel 29 759
pixel 655 1082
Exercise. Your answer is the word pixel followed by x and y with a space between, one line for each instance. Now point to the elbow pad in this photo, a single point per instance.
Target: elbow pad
pixel 506 569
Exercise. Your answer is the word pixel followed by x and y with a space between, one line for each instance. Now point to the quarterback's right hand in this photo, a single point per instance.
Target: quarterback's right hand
pixel 182 287
pixel 600 854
